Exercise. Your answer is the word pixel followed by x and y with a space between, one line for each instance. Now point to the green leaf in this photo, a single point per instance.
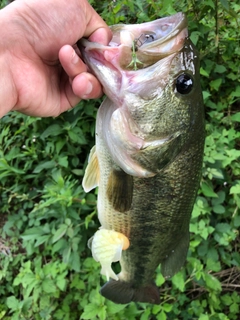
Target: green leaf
pixel 234 308
pixel 236 117
pixel 215 84
pixel 206 95
pixel 179 281
pixel 167 307
pixel 12 303
pixel 90 311
pixel 223 227
pixel 235 189
pixel 203 72
pixel 41 240
pixel 236 92
pixel 60 233
pixel 160 279
pixel 225 4
pixel 61 283
pixel 74 261
pixel 220 68
pixel 113 308
pixel 33 233
pixel 162 316
pixel 63 161
pixel 204 317
pixel 48 286
pixel 212 282
pixel 208 190
pixel 219 209
pixel 213 265
pixel 45 165
pixel 52 130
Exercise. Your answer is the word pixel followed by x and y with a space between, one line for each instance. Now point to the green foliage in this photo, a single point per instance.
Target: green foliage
pixel 46 269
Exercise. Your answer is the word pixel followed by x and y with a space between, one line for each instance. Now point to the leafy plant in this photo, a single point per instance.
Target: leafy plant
pixel 46 268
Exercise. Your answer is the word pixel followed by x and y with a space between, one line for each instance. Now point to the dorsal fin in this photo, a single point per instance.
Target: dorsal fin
pixel 120 190
pixel 91 176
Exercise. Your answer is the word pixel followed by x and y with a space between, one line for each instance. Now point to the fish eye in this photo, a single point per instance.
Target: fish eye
pixel 184 83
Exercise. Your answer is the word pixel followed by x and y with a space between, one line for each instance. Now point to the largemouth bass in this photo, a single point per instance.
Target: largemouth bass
pixel 148 155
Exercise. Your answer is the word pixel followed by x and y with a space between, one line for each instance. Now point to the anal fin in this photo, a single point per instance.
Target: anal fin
pixel 120 190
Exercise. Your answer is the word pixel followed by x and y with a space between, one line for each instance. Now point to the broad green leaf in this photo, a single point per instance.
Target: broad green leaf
pixel 219 209
pixel 167 307
pixel 113 308
pixel 236 117
pixel 179 281
pixel 203 72
pixel 215 84
pixel 235 189
pixel 162 316
pixel 208 191
pixel 45 165
pixel 90 312
pixel 48 286
pixel 223 227
pixel 212 282
pixel 60 233
pixel 41 240
pixel 204 317
pixel 33 233
pixel 63 161
pixel 234 308
pixel 225 4
pixel 61 283
pixel 12 303
pixel 220 68
pixel 52 130
pixel 75 262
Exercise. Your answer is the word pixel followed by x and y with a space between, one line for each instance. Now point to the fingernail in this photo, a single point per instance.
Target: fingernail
pixel 89 88
pixel 75 58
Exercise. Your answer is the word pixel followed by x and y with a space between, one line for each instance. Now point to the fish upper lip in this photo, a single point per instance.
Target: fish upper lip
pixel 178 22
pixel 177 27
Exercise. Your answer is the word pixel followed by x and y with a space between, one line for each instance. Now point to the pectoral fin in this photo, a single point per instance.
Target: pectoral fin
pixel 120 190
pixel 176 258
pixel 91 176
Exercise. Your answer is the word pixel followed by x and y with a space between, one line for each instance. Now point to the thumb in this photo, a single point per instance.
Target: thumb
pixel 96 29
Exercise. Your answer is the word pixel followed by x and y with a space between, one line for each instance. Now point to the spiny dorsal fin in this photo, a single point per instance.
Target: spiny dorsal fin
pixel 120 190
pixel 91 176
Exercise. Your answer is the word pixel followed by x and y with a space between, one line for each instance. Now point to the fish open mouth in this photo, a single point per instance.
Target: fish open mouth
pixel 138 46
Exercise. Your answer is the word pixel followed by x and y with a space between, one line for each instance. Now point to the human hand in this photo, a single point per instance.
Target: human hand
pixel 36 36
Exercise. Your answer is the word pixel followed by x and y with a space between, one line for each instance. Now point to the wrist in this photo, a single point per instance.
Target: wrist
pixel 8 92
pixel 8 96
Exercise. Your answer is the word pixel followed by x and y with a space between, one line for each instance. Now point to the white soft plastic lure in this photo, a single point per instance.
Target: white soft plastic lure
pixel 107 246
